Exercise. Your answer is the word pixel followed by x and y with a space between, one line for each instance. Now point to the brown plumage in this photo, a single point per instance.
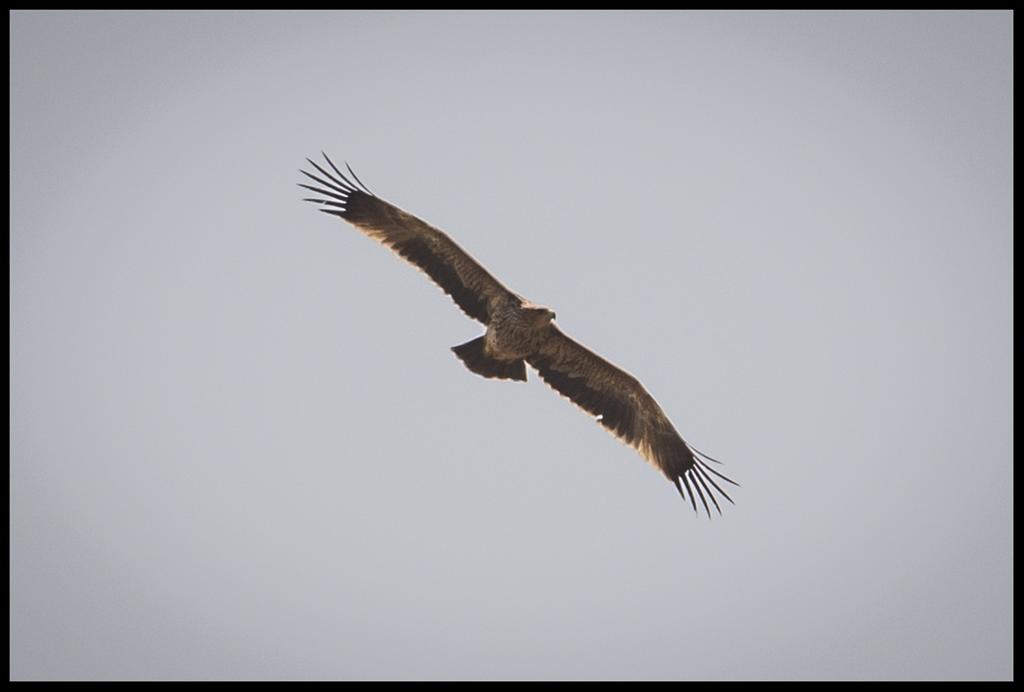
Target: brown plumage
pixel 520 332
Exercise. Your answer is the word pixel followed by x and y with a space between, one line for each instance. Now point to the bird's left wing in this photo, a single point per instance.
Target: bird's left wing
pixel 453 269
pixel 628 411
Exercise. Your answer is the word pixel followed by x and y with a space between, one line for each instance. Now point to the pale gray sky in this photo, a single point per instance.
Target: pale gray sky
pixel 240 446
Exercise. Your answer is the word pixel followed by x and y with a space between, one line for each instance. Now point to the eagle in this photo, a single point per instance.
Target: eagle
pixel 519 332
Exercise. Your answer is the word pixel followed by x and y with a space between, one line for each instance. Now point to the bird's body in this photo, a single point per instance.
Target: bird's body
pixel 519 332
pixel 516 330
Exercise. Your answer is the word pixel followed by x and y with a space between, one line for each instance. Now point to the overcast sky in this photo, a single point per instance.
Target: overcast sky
pixel 241 447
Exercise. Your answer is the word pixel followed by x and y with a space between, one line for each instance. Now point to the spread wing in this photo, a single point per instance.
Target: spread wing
pixel 459 275
pixel 629 412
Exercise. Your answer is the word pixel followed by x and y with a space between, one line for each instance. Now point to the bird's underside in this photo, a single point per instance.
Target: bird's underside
pixel 520 333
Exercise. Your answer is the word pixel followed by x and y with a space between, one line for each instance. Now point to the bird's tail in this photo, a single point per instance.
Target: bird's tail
pixel 474 357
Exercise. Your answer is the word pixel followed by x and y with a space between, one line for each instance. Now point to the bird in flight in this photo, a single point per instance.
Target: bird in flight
pixel 520 332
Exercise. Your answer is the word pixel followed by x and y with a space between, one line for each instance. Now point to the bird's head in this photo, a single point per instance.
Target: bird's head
pixel 543 315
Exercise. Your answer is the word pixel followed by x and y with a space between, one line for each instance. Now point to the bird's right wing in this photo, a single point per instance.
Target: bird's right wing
pixel 453 269
pixel 627 411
